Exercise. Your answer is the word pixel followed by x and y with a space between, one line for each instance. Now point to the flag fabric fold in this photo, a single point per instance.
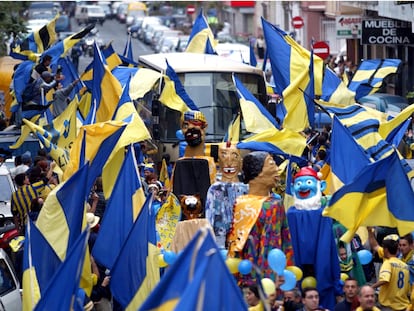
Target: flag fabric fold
pixel 136 272
pixel 173 94
pixel 256 118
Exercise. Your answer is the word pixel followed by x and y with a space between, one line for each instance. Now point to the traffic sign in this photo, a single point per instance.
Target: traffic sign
pixel 190 9
pixel 321 49
pixel 297 22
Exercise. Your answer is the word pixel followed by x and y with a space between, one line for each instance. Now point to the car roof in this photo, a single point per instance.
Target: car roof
pixel 185 62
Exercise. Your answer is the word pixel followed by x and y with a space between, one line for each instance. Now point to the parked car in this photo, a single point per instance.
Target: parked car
pixel 86 14
pixel 63 24
pixel 10 296
pixel 387 103
pixel 134 29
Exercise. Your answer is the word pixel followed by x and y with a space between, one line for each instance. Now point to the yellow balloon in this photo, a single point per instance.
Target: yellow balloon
pixel 161 261
pixel 344 276
pixel 269 286
pixel 309 281
pixel 296 271
pixel 233 264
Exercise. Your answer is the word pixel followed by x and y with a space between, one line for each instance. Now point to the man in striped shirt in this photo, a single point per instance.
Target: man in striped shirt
pixel 22 198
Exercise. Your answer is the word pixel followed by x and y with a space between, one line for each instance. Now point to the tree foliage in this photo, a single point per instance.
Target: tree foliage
pixel 11 21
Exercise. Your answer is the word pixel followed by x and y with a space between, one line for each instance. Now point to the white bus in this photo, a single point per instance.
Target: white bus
pixel 208 81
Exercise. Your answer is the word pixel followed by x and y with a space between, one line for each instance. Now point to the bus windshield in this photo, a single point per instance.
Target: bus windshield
pixel 219 104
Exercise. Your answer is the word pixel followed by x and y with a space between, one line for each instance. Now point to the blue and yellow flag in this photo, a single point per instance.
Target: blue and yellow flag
pixel 164 176
pixel 233 130
pixel 380 195
pixel 363 124
pixel 256 118
pixel 21 79
pixel 40 262
pixel 201 38
pixel 276 141
pixel 62 289
pixel 334 91
pixel 388 129
pixel 36 42
pixel 290 69
pixel 135 132
pixel 142 82
pixel 370 75
pixel 174 95
pixel 61 218
pixel 59 49
pixel 189 283
pixel 343 148
pixel 136 272
pixel 106 90
pixel 94 144
pixel 122 208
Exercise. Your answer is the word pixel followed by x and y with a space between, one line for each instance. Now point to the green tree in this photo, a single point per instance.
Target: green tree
pixel 11 21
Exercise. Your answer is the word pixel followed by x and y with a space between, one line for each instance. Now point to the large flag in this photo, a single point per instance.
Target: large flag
pixel 387 129
pixel 276 141
pixel 363 123
pixel 61 218
pixel 290 69
pixel 134 132
pixel 60 49
pixel 344 147
pixel 36 42
pixel 174 95
pixel 201 38
pixel 106 90
pixel 94 144
pixel 190 284
pixel 136 272
pixel 122 208
pixel 256 118
pixel 370 75
pixel 62 290
pixel 334 91
pixel 381 195
pixel 40 262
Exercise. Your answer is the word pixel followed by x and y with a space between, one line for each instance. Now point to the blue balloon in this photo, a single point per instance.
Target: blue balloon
pixel 223 253
pixel 365 256
pixel 290 280
pixel 245 266
pixel 170 257
pixel 277 260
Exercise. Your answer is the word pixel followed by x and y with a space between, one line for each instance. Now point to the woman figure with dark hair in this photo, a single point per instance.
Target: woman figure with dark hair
pixel 259 222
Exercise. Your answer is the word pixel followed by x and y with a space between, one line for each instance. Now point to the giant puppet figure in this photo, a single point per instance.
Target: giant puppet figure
pixel 259 222
pixel 222 194
pixel 195 172
pixel 313 241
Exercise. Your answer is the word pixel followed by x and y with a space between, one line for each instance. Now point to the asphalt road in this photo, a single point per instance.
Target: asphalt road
pixel 112 30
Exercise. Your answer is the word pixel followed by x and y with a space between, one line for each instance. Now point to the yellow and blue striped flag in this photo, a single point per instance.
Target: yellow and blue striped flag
pixel 370 75
pixel 334 91
pixel 36 42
